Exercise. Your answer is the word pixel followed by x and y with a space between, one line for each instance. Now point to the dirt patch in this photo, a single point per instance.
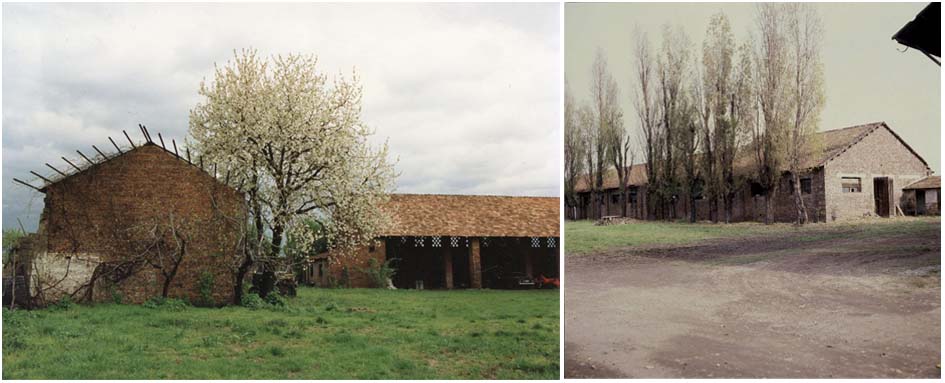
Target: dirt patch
pixel 789 306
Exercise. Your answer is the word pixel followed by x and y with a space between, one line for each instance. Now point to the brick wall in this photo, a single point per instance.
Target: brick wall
pixel 355 263
pixel 107 210
pixel 879 154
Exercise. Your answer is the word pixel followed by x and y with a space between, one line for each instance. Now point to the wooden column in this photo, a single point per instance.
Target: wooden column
pixel 475 270
pixel 528 264
pixel 448 270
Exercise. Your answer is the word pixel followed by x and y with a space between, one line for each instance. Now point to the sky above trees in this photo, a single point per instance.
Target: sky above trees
pixel 867 76
pixel 467 94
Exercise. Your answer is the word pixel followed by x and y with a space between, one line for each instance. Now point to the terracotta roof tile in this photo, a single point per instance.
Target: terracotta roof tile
pixel 473 215
pixel 930 182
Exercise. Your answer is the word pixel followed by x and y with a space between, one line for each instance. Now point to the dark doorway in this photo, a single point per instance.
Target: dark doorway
pixel 883 196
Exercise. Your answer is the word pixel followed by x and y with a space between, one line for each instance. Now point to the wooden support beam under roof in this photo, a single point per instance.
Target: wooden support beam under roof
pixel 86 158
pixel 129 140
pixel 24 183
pixel 56 170
pixel 70 163
pixel 99 152
pixel 41 176
pixel 116 145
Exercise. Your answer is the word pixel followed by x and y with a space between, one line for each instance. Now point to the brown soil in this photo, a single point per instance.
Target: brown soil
pixel 773 307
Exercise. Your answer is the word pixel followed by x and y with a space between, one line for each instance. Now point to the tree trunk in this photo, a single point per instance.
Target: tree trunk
pixel 799 200
pixel 240 276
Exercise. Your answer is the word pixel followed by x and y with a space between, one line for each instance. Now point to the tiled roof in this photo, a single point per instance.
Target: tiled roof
pixel 472 215
pixel 833 142
pixel 930 182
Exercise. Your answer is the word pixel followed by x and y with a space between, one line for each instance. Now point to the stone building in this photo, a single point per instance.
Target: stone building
pixel 453 241
pixel 134 225
pixel 857 171
pixel 922 197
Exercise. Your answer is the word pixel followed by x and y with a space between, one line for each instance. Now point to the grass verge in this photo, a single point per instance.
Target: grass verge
pixel 323 334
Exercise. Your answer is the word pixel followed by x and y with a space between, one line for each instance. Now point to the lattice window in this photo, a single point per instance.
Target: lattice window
pixel 436 241
pixel 552 243
pixel 403 240
pixel 454 241
pixel 536 242
pixel 418 242
pixel 485 242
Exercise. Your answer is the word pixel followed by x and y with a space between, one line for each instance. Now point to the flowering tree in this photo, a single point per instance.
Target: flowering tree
pixel 297 142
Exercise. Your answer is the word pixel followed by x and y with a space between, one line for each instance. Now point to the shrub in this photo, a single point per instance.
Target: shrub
pixel 64 303
pixel 252 300
pixel 276 299
pixel 379 272
pixel 170 304
pixel 206 288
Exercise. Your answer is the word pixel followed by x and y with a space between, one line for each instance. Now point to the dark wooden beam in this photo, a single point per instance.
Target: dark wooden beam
pixel 227 179
pixel 56 170
pixel 175 148
pixel 24 183
pixel 129 140
pixel 70 163
pixel 201 162
pixel 214 170
pixel 162 141
pixel 99 152
pixel 188 155
pixel 41 176
pixel 116 146
pixel 146 132
pixel 86 158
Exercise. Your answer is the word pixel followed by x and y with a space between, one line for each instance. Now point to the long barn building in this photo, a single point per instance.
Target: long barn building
pixel 861 171
pixel 454 241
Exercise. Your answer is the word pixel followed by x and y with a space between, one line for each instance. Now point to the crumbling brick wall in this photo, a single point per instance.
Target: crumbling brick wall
pixel 348 270
pixel 108 213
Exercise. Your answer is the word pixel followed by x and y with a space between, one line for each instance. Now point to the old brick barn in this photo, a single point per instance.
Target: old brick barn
pixel 129 226
pixel 455 241
pixel 862 171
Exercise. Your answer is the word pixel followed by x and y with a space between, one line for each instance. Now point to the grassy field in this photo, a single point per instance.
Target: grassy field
pixel 583 237
pixel 324 333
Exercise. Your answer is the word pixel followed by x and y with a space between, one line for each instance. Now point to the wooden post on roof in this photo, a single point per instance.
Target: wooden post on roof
pixel 162 141
pixel 41 176
pixel 86 158
pixel 56 170
pixel 475 266
pixel 147 134
pixel 116 145
pixel 187 149
pixel 70 163
pixel 99 152
pixel 24 183
pixel 175 148
pixel 129 139
pixel 448 269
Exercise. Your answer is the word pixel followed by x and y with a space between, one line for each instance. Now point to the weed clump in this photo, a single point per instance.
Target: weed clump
pixel 169 304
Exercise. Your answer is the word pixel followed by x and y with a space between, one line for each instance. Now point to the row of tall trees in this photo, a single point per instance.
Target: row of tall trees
pixel 752 104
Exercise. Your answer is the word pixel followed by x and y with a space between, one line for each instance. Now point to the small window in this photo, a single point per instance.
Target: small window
pixel 851 185
pixel 805 185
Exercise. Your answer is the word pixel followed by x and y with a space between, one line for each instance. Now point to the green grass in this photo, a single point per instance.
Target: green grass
pixel 324 334
pixel 583 237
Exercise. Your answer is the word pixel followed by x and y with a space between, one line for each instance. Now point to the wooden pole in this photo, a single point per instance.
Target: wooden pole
pixel 129 139
pixel 227 179
pixel 24 183
pixel 146 132
pixel 188 155
pixel 201 162
pixel 99 152
pixel 86 158
pixel 41 176
pixel 162 141
pixel 116 146
pixel 56 170
pixel 70 163
pixel 175 148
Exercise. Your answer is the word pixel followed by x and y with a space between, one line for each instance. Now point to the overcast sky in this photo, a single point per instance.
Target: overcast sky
pixel 468 95
pixel 868 78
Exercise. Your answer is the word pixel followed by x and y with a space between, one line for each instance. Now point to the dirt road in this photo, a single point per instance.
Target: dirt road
pixel 776 307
